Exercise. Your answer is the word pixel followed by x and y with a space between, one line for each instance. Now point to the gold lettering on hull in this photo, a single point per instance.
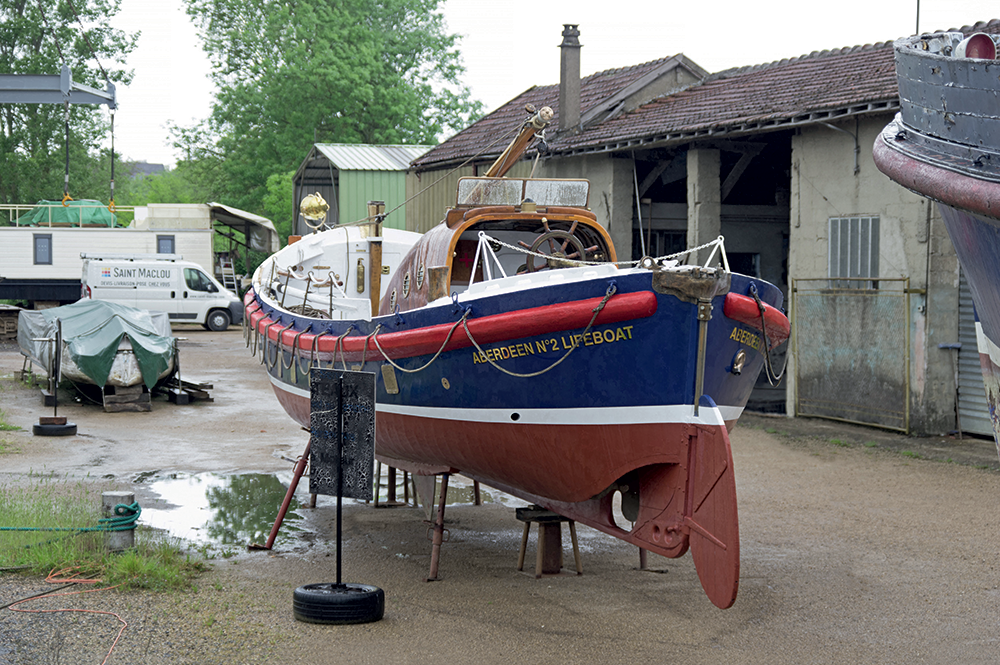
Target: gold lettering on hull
pixel 742 336
pixel 548 345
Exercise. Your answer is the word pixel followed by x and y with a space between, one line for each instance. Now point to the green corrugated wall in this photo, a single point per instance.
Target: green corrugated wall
pixel 357 188
pixel 424 212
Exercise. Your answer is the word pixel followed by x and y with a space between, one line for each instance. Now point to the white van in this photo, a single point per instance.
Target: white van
pixel 161 283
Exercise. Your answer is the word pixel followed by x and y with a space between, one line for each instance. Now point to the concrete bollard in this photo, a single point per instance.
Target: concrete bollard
pixel 116 541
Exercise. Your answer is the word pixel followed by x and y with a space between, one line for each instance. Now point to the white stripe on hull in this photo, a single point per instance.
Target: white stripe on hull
pixel 612 415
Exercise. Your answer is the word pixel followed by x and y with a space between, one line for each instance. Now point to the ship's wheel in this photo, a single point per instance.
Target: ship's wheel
pixel 562 249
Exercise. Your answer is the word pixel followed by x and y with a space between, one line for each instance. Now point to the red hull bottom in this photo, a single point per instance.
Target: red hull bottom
pixel 683 474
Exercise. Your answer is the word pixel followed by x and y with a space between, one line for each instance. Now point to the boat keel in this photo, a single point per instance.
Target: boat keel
pixel 680 506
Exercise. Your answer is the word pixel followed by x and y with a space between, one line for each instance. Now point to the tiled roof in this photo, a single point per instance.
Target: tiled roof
pixel 492 133
pixel 755 99
pixel 812 88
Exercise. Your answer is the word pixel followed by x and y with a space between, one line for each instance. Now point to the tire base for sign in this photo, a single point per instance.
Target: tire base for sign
pixel 49 429
pixel 338 603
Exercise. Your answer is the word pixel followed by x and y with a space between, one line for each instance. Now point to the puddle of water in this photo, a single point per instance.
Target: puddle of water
pixel 233 511
pixel 214 509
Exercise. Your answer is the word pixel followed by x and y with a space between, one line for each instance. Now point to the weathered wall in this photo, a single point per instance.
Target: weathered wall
pixel 173 216
pixel 704 198
pixel 611 192
pixel 912 244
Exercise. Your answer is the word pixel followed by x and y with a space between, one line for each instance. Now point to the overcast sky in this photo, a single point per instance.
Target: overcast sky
pixel 510 45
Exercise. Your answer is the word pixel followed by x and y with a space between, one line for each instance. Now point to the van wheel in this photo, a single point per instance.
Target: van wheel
pixel 218 320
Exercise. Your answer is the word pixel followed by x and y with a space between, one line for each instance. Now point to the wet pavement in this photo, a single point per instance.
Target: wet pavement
pixel 856 547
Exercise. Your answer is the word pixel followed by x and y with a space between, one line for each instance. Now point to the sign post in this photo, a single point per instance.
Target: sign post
pixel 341 459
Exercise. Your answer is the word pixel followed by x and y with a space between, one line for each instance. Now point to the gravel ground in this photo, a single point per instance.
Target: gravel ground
pixel 857 546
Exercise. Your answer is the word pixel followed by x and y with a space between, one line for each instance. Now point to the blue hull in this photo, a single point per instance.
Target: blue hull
pixel 643 362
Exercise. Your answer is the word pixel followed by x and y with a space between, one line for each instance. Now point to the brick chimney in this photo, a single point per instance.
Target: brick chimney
pixel 569 78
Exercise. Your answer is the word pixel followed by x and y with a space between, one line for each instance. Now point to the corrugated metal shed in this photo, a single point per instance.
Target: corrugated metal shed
pixel 350 175
pixel 347 157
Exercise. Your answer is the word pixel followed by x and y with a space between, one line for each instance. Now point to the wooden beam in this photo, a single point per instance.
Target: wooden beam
pixel 736 173
pixel 648 181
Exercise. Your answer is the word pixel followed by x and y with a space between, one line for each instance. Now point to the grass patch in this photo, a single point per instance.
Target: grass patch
pixel 871 444
pixel 841 443
pixel 7 447
pixel 910 453
pixel 154 563
pixel 6 426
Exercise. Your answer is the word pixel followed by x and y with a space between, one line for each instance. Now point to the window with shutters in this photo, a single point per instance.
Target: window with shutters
pixel 854 247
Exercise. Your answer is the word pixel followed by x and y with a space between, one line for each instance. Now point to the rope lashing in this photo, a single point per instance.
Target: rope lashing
pixel 264 360
pixel 124 519
pixel 676 255
pixel 278 354
pixel 293 362
pixel 447 339
pixel 612 289
pixel 368 338
pixel 340 345
pixel 772 378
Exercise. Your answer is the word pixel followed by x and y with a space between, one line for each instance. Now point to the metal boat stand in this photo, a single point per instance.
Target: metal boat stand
pixel 438 530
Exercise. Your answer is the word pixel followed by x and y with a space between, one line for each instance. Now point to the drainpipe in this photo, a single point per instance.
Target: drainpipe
pixel 569 78
pixel 853 135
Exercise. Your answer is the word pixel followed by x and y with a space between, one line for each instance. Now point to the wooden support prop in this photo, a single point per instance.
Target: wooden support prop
pixel 549 556
pixel 376 211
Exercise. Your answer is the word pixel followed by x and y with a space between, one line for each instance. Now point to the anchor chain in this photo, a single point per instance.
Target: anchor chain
pixel 772 378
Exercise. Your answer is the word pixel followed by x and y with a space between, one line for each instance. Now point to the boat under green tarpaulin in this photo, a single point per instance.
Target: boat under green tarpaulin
pixel 85 212
pixel 103 342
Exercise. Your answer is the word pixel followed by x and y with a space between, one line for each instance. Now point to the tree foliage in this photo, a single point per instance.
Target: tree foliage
pixel 294 72
pixel 38 37
pixel 179 185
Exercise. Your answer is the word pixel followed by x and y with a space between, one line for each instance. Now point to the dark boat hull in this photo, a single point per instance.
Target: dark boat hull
pixel 945 145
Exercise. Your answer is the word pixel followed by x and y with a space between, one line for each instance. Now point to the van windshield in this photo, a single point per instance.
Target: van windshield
pixel 198 281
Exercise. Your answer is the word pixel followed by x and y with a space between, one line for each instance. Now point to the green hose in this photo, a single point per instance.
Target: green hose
pixel 125 518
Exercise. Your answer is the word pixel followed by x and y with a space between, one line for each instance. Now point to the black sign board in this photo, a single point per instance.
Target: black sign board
pixel 342 424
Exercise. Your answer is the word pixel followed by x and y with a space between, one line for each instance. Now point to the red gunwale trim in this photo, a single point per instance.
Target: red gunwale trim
pixel 744 309
pixel 486 330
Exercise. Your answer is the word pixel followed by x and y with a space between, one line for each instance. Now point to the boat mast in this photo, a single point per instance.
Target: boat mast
pixel 519 145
